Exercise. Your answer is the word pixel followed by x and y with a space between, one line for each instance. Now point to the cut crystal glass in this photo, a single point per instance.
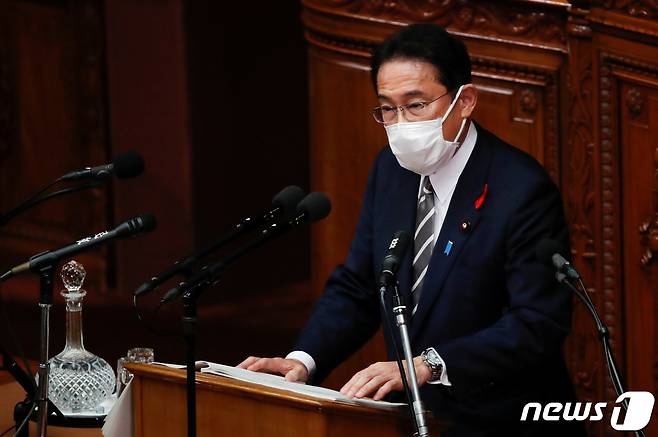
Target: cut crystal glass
pixel 79 381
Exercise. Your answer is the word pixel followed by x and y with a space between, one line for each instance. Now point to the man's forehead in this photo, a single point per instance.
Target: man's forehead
pixel 407 78
pixel 407 94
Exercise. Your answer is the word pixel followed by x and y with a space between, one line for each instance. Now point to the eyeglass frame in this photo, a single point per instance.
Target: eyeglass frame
pixel 401 108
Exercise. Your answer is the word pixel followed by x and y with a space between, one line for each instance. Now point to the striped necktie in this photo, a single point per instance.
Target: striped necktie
pixel 423 239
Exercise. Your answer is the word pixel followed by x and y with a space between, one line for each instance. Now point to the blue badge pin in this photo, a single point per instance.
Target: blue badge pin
pixel 448 248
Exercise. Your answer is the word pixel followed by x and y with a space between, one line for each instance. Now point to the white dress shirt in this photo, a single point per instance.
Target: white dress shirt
pixel 444 182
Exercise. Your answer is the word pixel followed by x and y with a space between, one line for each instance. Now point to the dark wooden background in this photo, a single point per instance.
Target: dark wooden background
pixel 229 102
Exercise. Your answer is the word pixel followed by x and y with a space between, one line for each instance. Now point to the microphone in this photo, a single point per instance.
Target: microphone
pixel 141 224
pixel 315 206
pixel 393 258
pixel 312 208
pixel 548 251
pixel 284 206
pixel 125 165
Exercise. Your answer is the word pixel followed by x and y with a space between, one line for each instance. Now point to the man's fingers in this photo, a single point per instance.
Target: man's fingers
pixel 248 362
pixel 370 386
pixel 346 388
pixel 379 378
pixel 296 374
pixel 359 380
pixel 267 365
pixel 384 390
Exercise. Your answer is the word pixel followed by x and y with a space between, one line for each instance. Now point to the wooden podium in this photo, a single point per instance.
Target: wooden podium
pixel 227 407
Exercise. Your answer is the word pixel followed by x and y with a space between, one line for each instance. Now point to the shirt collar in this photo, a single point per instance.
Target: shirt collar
pixel 444 180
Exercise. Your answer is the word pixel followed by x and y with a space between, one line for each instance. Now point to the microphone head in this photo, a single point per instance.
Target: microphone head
pixel 146 222
pixel 394 255
pixel 315 206
pixel 288 199
pixel 399 244
pixel 136 225
pixel 128 165
pixel 546 249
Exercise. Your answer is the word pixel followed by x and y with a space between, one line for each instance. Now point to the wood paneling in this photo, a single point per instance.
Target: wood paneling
pixel 147 93
pixel 52 120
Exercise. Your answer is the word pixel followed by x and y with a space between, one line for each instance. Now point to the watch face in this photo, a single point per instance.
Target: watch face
pixel 433 357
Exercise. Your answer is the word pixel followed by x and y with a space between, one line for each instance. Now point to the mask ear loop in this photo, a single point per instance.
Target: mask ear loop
pixel 452 105
pixel 459 134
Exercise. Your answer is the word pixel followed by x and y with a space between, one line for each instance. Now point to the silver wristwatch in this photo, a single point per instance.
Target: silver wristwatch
pixel 432 360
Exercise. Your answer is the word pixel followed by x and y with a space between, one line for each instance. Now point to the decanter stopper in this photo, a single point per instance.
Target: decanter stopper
pixel 73 275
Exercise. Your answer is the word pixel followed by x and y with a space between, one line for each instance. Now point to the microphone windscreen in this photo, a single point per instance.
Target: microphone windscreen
pixel 147 222
pixel 315 205
pixel 399 244
pixel 546 249
pixel 128 165
pixel 136 225
pixel 288 199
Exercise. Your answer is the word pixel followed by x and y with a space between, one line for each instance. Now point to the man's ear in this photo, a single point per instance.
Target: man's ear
pixel 468 100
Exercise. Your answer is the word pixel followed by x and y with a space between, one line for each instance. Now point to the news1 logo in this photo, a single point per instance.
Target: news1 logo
pixel 640 407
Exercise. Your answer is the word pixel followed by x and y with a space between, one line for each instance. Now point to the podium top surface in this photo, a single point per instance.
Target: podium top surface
pixel 211 382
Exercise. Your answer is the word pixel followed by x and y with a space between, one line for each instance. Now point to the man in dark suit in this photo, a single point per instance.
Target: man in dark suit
pixel 487 319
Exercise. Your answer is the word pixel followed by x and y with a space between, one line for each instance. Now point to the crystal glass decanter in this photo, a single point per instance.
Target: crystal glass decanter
pixel 79 381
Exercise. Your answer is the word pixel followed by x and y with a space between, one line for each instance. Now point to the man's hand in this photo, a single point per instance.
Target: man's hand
pixel 382 378
pixel 293 370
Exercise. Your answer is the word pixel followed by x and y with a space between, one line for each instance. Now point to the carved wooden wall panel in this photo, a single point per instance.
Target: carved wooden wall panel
pixel 500 106
pixel 639 129
pixel 521 107
pixel 629 74
pixel 581 193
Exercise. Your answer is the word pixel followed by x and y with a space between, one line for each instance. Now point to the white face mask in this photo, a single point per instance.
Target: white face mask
pixel 419 146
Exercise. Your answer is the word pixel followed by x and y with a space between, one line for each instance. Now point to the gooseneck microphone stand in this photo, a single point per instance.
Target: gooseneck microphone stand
pixel 313 207
pixel 37 198
pixel 46 274
pixel 411 386
pixel 604 335
pixel 193 287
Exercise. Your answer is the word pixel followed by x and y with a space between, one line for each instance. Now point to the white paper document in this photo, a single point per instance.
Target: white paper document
pixel 280 382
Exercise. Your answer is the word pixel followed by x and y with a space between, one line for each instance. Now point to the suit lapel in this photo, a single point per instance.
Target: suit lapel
pixel 453 237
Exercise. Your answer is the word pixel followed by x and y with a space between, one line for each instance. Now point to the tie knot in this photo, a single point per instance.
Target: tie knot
pixel 427 186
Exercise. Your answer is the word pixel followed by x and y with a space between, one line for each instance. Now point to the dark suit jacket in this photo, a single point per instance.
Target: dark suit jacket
pixel 493 312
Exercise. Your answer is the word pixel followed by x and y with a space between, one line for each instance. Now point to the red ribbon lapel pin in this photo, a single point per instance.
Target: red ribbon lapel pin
pixel 480 200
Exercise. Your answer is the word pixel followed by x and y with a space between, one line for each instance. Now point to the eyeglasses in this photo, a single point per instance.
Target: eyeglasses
pixel 387 114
